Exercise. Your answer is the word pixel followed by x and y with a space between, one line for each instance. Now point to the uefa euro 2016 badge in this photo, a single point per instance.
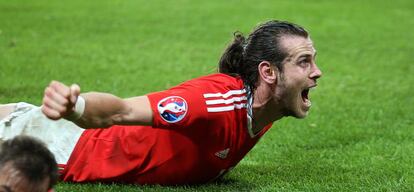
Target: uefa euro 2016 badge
pixel 172 109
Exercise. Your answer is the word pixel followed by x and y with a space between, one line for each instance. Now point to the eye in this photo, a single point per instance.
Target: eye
pixel 304 62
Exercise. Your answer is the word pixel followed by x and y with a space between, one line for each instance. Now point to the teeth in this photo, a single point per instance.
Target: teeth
pixel 308 103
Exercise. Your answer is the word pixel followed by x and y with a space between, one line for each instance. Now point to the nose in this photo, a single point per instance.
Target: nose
pixel 316 72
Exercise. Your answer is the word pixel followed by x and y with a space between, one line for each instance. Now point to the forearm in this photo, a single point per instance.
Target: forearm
pixel 101 110
pixel 94 110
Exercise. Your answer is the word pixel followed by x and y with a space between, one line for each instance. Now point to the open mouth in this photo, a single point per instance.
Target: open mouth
pixel 305 96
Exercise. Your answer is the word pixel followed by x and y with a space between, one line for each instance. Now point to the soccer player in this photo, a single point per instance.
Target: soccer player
pixel 191 133
pixel 26 165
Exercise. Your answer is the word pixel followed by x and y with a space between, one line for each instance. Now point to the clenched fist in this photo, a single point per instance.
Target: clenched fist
pixel 59 100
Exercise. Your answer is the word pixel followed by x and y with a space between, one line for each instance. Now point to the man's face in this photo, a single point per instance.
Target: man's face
pixel 299 75
pixel 12 180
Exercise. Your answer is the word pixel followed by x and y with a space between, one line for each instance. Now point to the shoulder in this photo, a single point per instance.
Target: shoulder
pixel 192 102
pixel 216 82
pixel 219 78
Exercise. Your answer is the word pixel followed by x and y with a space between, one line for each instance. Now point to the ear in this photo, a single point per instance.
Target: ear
pixel 267 72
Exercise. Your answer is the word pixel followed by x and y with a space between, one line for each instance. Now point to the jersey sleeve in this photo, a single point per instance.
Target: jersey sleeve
pixel 180 107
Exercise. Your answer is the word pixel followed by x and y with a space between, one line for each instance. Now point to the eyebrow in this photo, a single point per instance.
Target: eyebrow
pixel 304 56
pixel 307 55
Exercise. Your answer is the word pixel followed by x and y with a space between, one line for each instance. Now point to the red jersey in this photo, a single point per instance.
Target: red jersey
pixel 201 129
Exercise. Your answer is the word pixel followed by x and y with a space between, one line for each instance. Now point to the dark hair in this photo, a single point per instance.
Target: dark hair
pixel 31 158
pixel 242 56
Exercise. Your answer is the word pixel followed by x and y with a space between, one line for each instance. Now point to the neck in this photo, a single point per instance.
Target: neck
pixel 265 109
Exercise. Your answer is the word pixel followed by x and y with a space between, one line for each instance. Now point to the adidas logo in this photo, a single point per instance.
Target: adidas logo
pixel 223 154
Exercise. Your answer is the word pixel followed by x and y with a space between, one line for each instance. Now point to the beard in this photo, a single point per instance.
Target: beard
pixel 287 97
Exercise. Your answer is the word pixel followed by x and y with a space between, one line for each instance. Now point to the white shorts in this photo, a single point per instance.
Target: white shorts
pixel 59 136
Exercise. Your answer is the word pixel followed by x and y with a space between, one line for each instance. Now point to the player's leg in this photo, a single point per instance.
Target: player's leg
pixel 6 109
pixel 59 136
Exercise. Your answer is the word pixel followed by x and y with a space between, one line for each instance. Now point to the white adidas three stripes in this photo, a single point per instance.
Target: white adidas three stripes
pixel 219 102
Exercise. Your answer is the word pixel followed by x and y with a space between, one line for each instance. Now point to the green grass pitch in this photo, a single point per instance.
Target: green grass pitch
pixel 359 135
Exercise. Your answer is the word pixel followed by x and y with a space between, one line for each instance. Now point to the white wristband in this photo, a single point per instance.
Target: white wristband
pixel 79 109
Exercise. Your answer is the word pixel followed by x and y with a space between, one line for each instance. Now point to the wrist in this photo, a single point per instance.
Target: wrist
pixel 78 110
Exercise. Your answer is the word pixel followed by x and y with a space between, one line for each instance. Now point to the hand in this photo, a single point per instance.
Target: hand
pixel 59 100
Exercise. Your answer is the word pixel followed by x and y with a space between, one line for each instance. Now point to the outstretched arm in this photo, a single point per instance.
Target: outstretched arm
pixel 100 109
